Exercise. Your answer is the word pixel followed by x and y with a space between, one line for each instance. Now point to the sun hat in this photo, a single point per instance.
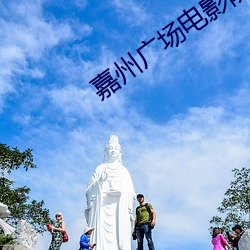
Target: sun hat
pixel 59 213
pixel 87 229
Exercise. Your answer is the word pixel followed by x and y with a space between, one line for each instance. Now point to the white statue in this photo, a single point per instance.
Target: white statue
pixel 110 197
pixel 244 242
pixel 4 212
pixel 25 235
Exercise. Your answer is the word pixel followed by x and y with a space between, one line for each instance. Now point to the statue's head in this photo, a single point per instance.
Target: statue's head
pixel 113 150
pixel 4 211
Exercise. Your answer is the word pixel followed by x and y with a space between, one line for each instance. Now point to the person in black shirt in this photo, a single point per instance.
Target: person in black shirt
pixel 236 237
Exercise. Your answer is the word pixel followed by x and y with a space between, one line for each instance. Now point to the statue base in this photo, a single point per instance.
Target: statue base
pixel 12 247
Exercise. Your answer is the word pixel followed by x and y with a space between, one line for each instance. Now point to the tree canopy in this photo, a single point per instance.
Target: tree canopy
pixel 235 207
pixel 17 199
pixel 12 159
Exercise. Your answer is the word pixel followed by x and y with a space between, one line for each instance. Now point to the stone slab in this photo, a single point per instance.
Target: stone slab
pixel 13 247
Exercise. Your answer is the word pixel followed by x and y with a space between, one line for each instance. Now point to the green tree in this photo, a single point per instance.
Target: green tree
pixel 235 207
pixel 17 199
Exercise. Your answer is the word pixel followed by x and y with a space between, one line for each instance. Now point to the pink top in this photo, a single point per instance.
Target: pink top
pixel 219 242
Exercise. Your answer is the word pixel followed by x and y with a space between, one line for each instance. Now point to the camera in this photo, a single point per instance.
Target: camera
pixel 134 235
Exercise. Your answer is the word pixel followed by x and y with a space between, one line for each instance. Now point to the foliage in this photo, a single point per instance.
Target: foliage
pixel 12 159
pixel 236 204
pixel 17 199
pixel 6 240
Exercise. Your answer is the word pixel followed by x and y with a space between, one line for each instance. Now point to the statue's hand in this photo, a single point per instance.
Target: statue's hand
pixel 90 202
pixel 104 176
pixel 132 217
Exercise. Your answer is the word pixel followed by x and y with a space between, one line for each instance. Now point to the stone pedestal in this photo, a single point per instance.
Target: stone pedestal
pixel 13 247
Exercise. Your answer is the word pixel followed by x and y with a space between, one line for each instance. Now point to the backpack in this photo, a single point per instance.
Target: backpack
pixel 149 212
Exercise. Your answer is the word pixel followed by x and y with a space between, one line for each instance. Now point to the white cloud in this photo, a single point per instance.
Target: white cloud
pixel 221 38
pixel 71 97
pixel 80 3
pixel 25 35
pixel 32 33
pixel 131 12
pixel 83 102
pixel 247 10
pixel 217 42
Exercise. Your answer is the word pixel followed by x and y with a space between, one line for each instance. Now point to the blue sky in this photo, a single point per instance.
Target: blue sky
pixel 183 123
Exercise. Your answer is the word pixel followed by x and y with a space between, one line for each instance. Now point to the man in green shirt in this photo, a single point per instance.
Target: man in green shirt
pixel 144 223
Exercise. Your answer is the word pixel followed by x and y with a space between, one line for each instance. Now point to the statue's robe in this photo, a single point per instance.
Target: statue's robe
pixel 110 197
pixel 244 242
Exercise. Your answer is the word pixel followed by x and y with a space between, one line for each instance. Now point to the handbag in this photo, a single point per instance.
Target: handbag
pixel 65 236
pixel 49 227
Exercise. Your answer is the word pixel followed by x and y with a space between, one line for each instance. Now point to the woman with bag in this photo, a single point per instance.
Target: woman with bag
pixel 57 232
pixel 219 241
